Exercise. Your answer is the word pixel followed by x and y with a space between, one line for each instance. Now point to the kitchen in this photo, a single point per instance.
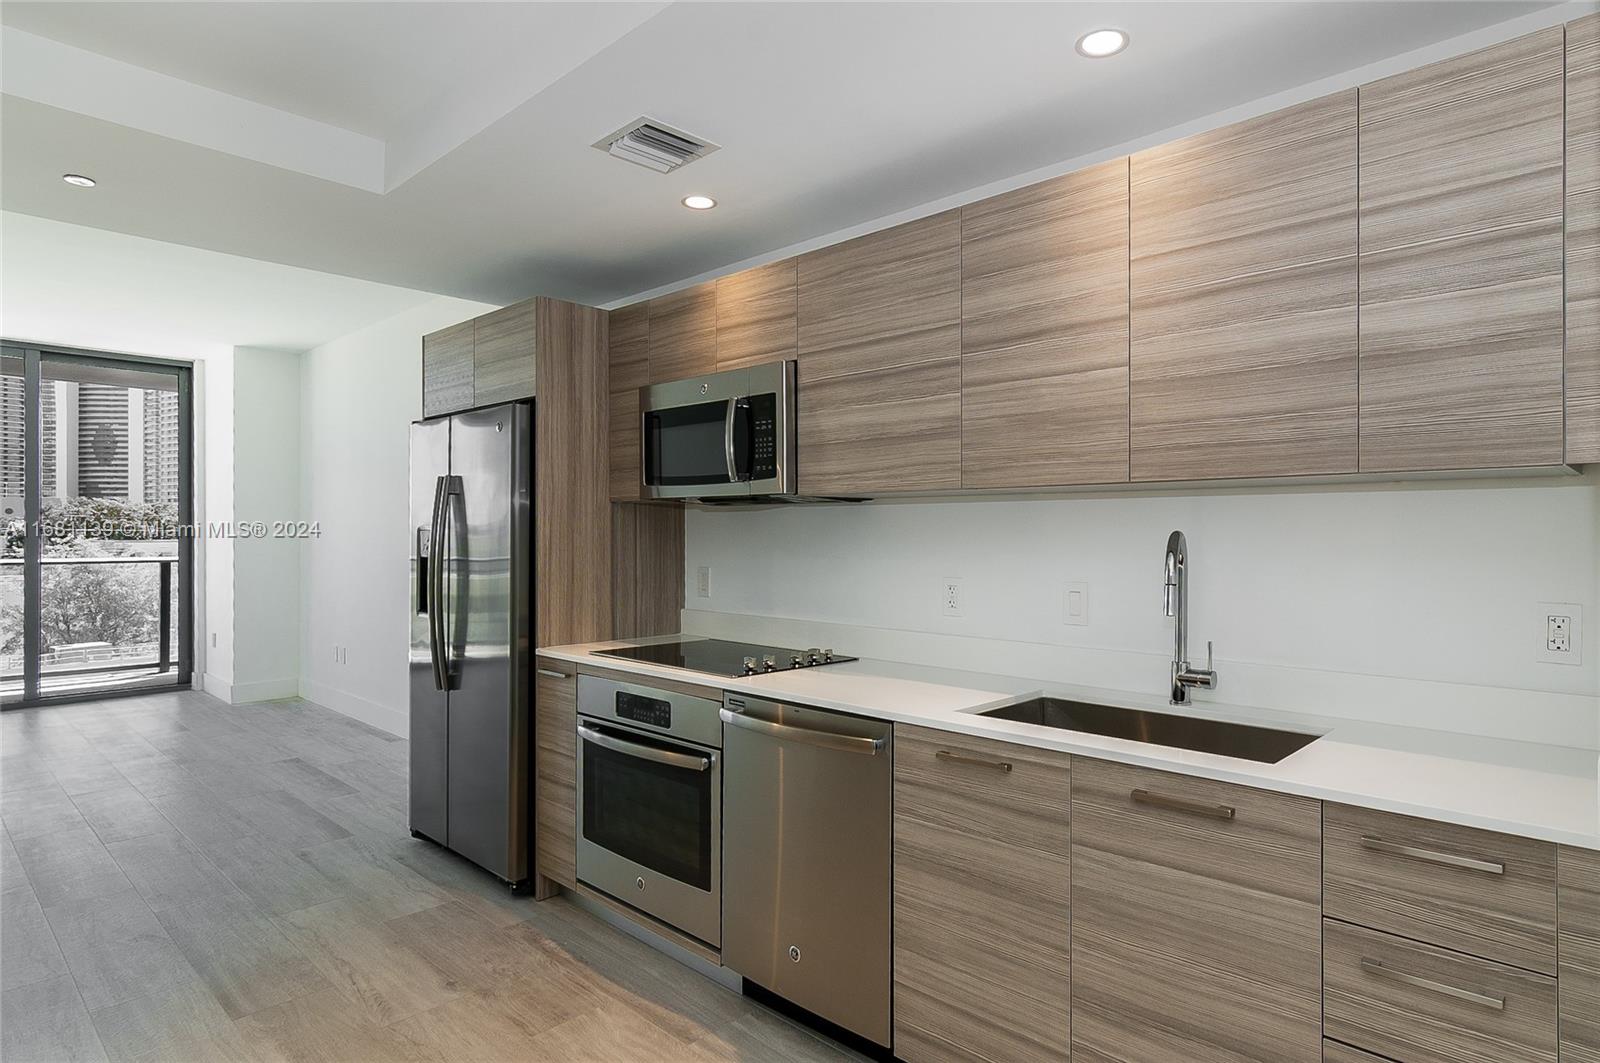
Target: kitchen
pixel 1132 612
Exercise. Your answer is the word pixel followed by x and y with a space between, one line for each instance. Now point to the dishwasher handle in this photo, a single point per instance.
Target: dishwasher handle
pixel 824 739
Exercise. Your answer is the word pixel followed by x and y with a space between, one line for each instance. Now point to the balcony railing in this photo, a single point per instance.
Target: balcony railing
pixel 72 665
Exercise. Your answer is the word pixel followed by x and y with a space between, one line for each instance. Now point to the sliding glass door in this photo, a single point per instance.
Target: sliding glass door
pixel 95 493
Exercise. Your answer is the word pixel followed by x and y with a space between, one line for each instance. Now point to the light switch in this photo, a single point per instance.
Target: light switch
pixel 1077 604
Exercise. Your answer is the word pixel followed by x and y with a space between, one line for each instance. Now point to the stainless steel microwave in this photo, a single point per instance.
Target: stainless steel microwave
pixel 726 435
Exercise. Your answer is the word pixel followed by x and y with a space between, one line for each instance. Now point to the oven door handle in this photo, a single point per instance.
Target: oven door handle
pixel 727 440
pixel 825 739
pixel 644 752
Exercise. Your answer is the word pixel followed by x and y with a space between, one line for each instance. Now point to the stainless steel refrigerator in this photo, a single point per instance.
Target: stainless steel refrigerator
pixel 471 633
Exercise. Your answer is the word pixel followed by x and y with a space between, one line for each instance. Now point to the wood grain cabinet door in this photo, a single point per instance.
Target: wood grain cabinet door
pixel 447 370
pixel 757 315
pixel 556 780
pixel 880 361
pixel 629 356
pixel 1583 240
pixel 1044 333
pixel 1243 298
pixel 683 334
pixel 981 887
pixel 1461 261
pixel 1196 920
pixel 503 349
pixel 1578 979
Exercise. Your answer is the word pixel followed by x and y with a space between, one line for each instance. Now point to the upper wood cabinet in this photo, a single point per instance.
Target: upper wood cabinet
pixel 981 888
pixel 447 370
pixel 757 315
pixel 1578 983
pixel 1583 240
pixel 1044 333
pixel 503 363
pixel 1196 919
pixel 1243 298
pixel 880 361
pixel 683 333
pixel 629 356
pixel 1461 261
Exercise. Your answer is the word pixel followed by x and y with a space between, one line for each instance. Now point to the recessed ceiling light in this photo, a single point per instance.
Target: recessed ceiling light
pixel 78 179
pixel 699 202
pixel 1098 44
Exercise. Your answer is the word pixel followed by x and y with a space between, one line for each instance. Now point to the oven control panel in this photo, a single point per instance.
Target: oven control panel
pixel 652 712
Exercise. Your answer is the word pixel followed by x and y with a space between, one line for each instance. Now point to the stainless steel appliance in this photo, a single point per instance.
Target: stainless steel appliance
pixel 807 824
pixel 724 436
pixel 650 802
pixel 471 599
pixel 724 658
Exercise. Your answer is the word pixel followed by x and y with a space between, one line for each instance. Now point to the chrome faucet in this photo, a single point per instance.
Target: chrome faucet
pixel 1176 598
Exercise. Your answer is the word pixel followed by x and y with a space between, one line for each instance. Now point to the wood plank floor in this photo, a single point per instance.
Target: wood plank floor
pixel 189 880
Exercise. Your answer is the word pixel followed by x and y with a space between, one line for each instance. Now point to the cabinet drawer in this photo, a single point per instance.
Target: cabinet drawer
pixel 981 887
pixel 555 794
pixel 1196 922
pixel 1474 891
pixel 1423 1004
pixel 1334 1052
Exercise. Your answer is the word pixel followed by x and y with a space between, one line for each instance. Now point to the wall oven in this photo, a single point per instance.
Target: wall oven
pixel 727 435
pixel 650 802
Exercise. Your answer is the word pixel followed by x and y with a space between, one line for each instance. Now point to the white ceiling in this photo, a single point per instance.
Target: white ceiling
pixel 83 287
pixel 445 147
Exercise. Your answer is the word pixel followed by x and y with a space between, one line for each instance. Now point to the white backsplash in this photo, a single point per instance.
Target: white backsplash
pixel 1409 604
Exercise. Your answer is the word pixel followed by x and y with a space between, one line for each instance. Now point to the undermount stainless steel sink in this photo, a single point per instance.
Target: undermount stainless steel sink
pixel 1263 744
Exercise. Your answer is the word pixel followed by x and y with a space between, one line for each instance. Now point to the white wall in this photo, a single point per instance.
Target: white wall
pixel 359 395
pixel 266 492
pixel 214 504
pixel 1333 600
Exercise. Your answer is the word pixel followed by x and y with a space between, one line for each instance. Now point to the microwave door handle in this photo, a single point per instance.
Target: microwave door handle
pixel 727 440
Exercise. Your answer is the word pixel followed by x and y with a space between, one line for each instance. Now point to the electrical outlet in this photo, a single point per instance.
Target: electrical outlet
pixel 1076 605
pixel 1559 629
pixel 702 581
pixel 950 597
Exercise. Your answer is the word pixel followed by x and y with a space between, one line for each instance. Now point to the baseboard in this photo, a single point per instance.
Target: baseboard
pixel 218 688
pixel 264 690
pixel 383 717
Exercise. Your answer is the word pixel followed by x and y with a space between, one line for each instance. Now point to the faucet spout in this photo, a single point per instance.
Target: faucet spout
pixel 1175 597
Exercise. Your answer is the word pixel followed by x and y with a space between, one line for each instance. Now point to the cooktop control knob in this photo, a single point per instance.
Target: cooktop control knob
pixel 749 665
pixel 813 656
pixel 796 661
pixel 827 654
pixel 770 663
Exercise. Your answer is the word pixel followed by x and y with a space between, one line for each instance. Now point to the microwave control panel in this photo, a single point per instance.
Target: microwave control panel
pixel 764 429
pixel 652 712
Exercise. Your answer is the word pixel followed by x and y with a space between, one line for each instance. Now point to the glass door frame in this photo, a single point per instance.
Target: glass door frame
pixel 33 356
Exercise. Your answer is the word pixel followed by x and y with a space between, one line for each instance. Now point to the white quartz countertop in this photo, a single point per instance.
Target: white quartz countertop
pixel 1536 791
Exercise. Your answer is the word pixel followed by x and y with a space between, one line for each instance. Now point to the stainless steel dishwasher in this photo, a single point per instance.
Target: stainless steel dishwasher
pixel 806 826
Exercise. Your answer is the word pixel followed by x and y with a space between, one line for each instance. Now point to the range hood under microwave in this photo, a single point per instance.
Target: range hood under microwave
pixel 724 437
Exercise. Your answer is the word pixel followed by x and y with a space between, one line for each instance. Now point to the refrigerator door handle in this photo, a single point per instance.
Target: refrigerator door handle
pixel 454 497
pixel 436 564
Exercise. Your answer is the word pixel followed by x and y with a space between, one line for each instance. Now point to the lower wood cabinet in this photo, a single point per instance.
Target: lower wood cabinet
pixel 1579 875
pixel 1196 920
pixel 1420 1003
pixel 555 773
pixel 981 884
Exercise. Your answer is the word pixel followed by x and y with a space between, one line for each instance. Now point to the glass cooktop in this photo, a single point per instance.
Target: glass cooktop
pixel 721 657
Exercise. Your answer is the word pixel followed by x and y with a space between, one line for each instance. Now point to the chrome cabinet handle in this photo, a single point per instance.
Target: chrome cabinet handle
pixel 1432 856
pixel 1383 970
pixel 643 752
pixel 551 673
pixel 825 739
pixel 1182 804
pixel 977 762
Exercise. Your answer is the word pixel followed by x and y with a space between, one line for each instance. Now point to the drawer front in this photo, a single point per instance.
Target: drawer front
pixel 1196 921
pixel 1580 955
pixel 1474 891
pixel 555 793
pixel 1423 1004
pixel 981 887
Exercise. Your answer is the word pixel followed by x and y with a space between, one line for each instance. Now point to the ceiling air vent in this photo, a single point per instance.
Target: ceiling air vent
pixel 651 144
